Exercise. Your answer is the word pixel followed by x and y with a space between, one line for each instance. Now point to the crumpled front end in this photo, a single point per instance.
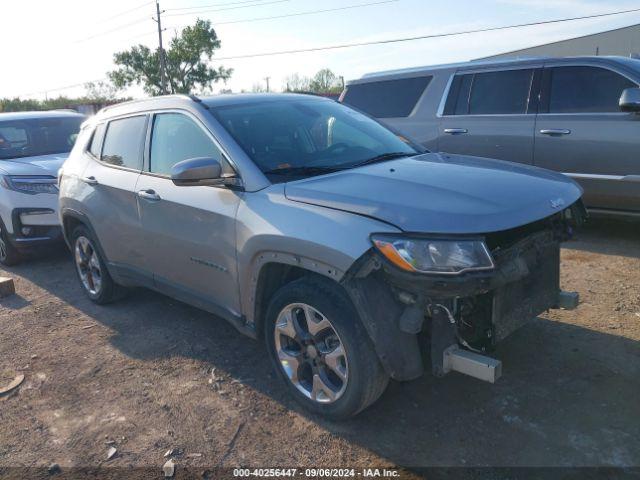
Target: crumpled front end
pixel 464 315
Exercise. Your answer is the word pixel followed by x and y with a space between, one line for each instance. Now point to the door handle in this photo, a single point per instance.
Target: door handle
pixel 555 131
pixel 455 131
pixel 89 180
pixel 150 195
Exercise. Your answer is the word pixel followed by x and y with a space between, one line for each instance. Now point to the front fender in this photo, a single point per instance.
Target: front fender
pixel 271 228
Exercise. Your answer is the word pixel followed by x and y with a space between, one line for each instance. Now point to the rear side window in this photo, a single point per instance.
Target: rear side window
pixel 96 140
pixel 388 99
pixel 490 93
pixel 123 142
pixel 585 89
pixel 175 138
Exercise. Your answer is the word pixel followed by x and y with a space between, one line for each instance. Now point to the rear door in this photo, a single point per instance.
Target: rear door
pixel 189 231
pixel 491 114
pixel 581 131
pixel 110 178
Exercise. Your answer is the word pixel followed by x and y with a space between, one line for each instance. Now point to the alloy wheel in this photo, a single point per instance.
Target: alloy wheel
pixel 311 353
pixel 88 265
pixel 3 247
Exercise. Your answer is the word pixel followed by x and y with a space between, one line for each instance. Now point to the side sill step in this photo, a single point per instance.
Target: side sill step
pixel 473 364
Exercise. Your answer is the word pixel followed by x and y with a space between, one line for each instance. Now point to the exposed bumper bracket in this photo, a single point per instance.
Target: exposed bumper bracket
pixel 472 364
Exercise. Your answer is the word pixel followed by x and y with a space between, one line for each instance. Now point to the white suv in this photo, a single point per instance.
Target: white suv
pixel 33 146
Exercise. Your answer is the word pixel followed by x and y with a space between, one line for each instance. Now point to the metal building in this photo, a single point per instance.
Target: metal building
pixel 620 41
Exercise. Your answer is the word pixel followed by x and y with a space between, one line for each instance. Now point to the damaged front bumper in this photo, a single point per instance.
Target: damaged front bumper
pixel 464 315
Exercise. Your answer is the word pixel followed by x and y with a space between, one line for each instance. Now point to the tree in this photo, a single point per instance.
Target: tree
pixel 325 81
pixel 296 83
pixel 187 63
pixel 101 91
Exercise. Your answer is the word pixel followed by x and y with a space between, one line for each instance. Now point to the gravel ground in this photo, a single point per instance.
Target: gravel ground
pixel 137 376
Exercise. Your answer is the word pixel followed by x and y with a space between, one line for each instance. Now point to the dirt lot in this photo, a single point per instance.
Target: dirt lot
pixel 137 376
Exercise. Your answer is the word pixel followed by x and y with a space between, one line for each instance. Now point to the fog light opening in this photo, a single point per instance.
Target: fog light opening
pixel 26 231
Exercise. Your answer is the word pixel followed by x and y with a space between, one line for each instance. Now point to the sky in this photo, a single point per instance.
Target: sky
pixel 66 43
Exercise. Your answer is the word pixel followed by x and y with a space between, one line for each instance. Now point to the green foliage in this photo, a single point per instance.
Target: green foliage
pixel 187 63
pixel 101 91
pixel 20 105
pixel 325 81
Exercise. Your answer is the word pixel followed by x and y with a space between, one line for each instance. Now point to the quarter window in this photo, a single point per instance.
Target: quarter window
pixel 388 99
pixel 175 138
pixel 123 142
pixel 585 89
pixel 96 140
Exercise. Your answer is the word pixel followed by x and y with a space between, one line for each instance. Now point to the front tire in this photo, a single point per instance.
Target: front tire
pixel 321 350
pixel 9 255
pixel 91 269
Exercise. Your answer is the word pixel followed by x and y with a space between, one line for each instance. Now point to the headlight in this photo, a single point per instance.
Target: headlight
pixel 29 184
pixel 448 257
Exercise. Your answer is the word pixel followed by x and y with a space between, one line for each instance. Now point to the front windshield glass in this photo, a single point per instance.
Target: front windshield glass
pixel 308 136
pixel 38 136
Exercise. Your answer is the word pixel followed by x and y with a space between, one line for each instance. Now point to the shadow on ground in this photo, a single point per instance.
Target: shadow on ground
pixel 608 237
pixel 568 395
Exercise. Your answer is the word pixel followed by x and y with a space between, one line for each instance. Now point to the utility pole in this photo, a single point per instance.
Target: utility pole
pixel 163 67
pixel 267 80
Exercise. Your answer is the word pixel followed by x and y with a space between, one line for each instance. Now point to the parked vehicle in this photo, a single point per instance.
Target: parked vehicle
pixel 33 146
pixel 579 116
pixel 303 221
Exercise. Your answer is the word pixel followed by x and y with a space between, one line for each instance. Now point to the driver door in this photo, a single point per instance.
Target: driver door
pixel 190 231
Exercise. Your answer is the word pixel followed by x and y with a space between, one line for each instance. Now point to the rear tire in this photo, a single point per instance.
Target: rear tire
pixel 312 330
pixel 91 268
pixel 9 255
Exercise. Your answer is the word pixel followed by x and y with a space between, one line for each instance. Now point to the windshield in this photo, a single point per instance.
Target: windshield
pixel 38 136
pixel 308 137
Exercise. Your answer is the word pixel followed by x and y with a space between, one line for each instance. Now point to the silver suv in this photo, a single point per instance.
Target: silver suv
pixel 303 221
pixel 579 116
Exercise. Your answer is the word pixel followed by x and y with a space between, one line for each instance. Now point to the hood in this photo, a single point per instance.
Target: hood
pixel 441 193
pixel 40 165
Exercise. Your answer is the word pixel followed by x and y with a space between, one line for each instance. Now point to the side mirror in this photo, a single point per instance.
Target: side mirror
pixel 197 172
pixel 630 100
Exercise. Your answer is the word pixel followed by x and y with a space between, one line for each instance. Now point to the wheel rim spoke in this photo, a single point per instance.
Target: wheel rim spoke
pixel 334 361
pixel 316 322
pixel 321 390
pixel 290 363
pixel 285 325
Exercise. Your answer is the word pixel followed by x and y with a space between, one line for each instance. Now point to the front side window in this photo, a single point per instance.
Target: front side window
pixel 387 99
pixel 176 137
pixel 38 136
pixel 585 90
pixel 307 134
pixel 490 93
pixel 124 141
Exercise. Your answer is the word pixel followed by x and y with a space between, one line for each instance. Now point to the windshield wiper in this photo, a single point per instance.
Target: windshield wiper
pixel 383 157
pixel 302 170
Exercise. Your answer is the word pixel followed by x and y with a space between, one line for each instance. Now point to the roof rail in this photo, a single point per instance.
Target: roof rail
pixel 142 100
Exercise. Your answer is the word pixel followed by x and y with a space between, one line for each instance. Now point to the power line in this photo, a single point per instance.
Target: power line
pixel 116 29
pixel 396 40
pixel 117 15
pixel 224 9
pixel 67 87
pixel 309 12
pixel 421 37
pixel 214 5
